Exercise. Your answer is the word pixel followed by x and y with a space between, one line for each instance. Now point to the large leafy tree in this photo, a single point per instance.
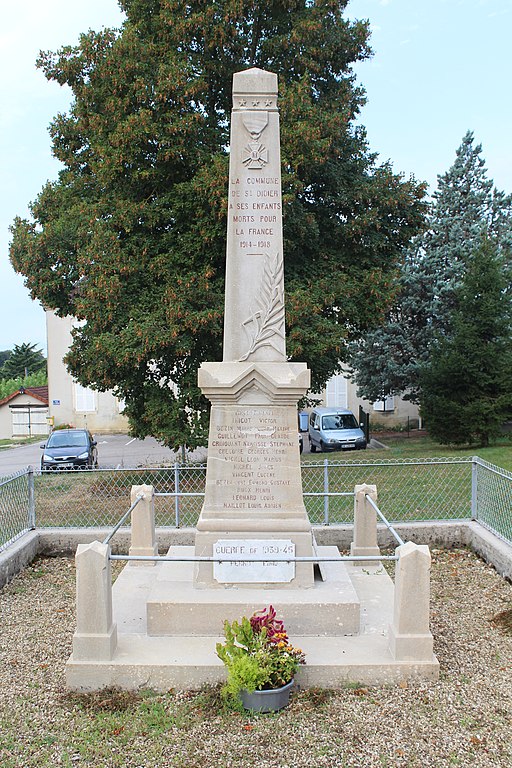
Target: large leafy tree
pixel 131 238
pixel 467 388
pixel 23 360
pixel 466 207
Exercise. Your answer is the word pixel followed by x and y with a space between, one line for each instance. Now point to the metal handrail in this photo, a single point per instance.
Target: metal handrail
pixel 304 493
pixel 268 559
pixel 111 535
pixel 384 520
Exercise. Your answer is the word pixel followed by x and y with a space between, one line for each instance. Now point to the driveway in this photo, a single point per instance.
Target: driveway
pixel 113 451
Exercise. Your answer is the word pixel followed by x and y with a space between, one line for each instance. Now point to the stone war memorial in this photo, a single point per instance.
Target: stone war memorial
pixel 158 625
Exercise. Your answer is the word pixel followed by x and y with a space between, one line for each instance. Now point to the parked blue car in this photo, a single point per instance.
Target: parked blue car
pixel 70 449
pixel 334 429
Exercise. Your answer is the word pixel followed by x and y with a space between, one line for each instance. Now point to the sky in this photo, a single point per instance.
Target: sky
pixel 440 68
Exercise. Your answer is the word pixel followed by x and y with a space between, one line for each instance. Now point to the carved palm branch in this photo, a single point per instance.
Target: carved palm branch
pixel 267 322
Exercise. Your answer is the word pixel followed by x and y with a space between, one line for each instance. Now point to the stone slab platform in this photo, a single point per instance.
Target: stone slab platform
pixel 188 661
pixel 176 608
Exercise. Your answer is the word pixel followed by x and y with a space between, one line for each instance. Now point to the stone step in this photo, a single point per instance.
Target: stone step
pixel 175 607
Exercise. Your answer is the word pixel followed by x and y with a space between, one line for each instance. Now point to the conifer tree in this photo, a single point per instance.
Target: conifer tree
pixel 466 207
pixel 131 237
pixel 467 387
pixel 23 360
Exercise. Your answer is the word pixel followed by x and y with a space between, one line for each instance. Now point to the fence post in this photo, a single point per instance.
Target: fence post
pixel 410 638
pixel 31 499
pixel 474 488
pixel 143 524
pixel 95 638
pixel 326 491
pixel 177 494
pixel 365 524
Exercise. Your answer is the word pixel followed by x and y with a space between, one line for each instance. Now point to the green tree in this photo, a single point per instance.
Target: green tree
pixel 466 206
pixel 22 361
pixel 467 388
pixel 8 386
pixel 131 238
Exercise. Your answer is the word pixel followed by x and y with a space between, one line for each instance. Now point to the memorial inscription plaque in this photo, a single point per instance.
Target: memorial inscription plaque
pixel 249 568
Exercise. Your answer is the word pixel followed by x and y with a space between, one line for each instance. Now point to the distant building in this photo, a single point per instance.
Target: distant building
pixel 69 402
pixel 340 392
pixel 24 413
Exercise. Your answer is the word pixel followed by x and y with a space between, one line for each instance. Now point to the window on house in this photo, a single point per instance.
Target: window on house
pixel 85 398
pixel 336 392
pixel 386 405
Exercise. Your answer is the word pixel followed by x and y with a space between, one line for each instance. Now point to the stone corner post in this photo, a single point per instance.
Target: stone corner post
pixel 143 524
pixel 410 638
pixel 95 638
pixel 365 524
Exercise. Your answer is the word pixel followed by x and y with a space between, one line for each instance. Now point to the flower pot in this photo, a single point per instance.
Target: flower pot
pixel 267 701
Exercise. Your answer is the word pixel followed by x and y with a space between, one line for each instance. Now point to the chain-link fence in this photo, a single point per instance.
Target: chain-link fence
pixel 99 497
pixel 16 507
pixel 492 498
pixel 408 490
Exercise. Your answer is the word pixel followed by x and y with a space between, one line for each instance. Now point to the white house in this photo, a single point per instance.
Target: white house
pixel 340 392
pixel 69 402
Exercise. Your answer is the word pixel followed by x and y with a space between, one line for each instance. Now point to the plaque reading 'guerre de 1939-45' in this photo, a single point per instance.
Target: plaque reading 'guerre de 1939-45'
pixel 253 481
pixel 251 567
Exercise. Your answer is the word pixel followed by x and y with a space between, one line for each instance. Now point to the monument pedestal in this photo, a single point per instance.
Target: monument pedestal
pixel 176 608
pixel 253 504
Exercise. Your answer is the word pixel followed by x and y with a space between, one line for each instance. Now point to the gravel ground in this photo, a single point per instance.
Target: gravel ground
pixel 465 719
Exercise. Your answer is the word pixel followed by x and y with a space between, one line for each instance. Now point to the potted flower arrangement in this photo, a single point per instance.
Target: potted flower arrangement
pixel 260 661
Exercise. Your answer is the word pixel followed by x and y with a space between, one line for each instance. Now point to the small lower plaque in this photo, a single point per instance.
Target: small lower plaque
pixel 249 568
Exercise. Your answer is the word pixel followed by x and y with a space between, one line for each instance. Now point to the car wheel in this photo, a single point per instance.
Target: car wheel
pixel 312 447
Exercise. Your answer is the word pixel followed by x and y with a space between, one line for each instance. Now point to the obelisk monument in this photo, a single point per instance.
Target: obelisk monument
pixel 253 505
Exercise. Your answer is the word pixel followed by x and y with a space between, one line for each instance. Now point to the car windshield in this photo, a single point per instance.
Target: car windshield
pixel 67 439
pixel 339 421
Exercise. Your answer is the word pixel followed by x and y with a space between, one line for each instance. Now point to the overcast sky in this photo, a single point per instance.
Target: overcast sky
pixel 440 67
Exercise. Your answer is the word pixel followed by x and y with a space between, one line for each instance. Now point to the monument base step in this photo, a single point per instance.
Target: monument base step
pixel 160 664
pixel 189 661
pixel 175 607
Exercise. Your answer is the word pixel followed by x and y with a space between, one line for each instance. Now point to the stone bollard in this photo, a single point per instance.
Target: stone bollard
pixel 143 524
pixel 95 638
pixel 365 524
pixel 410 638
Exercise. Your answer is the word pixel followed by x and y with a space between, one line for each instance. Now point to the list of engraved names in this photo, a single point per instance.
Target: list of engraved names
pixel 255 443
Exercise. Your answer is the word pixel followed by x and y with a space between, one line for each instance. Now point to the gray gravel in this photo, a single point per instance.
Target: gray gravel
pixel 465 719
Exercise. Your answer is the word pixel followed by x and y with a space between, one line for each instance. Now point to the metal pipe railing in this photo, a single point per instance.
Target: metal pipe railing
pixel 268 559
pixel 305 493
pixel 113 532
pixel 384 520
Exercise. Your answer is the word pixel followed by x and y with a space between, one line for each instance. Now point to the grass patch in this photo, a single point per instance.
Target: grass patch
pixel 402 446
pixel 15 441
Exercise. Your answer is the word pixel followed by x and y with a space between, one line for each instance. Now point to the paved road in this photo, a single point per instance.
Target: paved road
pixel 113 451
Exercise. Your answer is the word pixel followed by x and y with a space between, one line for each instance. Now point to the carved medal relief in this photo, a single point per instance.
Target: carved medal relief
pixel 255 154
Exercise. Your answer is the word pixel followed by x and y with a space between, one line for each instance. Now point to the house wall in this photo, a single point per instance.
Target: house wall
pixel 70 403
pixel 342 392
